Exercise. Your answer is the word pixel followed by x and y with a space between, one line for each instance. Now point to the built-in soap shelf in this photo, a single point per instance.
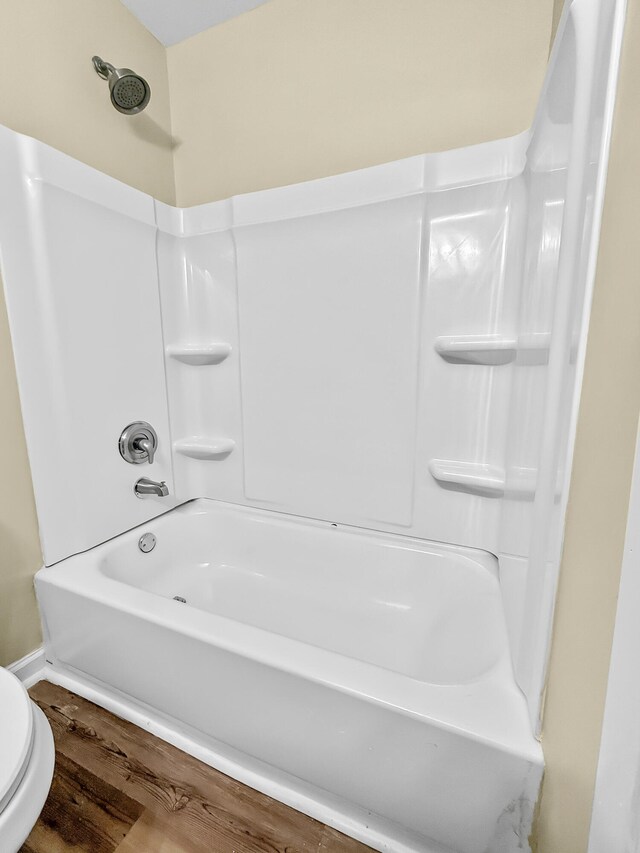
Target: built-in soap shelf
pixel 479 478
pixel 197 354
pixel 494 349
pixel 203 447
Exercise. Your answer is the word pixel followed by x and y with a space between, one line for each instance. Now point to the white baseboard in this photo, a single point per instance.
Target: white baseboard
pixel 30 668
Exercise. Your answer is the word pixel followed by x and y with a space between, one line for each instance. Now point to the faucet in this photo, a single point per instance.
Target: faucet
pixel 145 486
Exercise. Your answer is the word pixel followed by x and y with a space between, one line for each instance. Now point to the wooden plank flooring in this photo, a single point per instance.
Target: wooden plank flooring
pixel 119 789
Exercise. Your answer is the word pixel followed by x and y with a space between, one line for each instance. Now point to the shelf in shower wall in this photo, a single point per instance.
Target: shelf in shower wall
pixel 475 477
pixel 201 447
pixel 197 354
pixel 479 478
pixel 494 349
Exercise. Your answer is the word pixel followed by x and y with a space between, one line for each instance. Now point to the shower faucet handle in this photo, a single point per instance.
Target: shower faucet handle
pixel 146 446
pixel 138 443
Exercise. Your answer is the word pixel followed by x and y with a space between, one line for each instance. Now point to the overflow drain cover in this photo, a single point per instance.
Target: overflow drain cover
pixel 180 598
pixel 147 543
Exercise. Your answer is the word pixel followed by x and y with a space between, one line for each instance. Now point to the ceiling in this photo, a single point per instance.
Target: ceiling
pixel 171 21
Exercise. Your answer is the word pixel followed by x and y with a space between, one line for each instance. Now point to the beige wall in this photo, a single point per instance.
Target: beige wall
pixel 600 488
pixel 19 543
pixel 49 90
pixel 558 6
pixel 298 89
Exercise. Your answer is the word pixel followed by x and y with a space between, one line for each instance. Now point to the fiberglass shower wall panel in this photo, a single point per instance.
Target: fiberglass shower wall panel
pixel 566 170
pixel 329 308
pixel 196 258
pixel 79 264
pixel 302 328
pixel 473 240
pixel 545 181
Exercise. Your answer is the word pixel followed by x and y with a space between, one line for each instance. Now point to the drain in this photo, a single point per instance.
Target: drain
pixel 147 542
pixel 180 599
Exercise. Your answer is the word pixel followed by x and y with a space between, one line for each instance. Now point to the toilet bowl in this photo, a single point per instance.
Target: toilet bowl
pixel 26 762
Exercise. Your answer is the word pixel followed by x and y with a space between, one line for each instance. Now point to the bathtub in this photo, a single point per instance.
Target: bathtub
pixel 362 677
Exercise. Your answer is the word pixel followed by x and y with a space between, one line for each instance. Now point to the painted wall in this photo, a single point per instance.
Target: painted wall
pixel 296 89
pixel 558 5
pixel 49 90
pixel 601 481
pixel 19 544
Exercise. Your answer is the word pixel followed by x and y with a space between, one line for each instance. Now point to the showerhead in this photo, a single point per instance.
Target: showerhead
pixel 130 93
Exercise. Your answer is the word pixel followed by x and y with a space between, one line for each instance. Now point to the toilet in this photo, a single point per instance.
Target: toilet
pixel 26 762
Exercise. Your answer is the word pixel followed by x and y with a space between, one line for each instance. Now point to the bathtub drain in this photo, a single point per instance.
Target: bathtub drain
pixel 179 598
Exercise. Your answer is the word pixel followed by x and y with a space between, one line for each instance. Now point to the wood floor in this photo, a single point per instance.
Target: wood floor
pixel 119 789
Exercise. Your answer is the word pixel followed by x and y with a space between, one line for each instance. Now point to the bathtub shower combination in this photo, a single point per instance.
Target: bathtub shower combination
pixel 301 457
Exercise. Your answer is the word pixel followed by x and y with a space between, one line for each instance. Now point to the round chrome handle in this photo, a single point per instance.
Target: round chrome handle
pixel 138 443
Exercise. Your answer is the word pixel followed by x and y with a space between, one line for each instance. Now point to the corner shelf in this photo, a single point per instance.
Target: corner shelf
pixel 493 349
pixel 201 447
pixel 478 478
pixel 475 477
pixel 198 354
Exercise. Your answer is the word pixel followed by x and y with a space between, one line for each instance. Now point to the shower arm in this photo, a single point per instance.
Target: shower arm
pixel 103 69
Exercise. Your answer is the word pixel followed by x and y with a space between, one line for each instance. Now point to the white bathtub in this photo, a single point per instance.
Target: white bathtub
pixel 364 678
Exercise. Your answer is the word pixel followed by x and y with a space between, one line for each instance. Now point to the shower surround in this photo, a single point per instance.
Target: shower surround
pixel 341 374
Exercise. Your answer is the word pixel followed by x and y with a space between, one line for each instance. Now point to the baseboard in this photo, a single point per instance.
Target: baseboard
pixel 30 668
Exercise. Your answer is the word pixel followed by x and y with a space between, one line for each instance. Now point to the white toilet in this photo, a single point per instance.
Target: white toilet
pixel 26 762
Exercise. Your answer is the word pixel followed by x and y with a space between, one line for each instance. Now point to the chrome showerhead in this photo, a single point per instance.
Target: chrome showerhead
pixel 130 93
